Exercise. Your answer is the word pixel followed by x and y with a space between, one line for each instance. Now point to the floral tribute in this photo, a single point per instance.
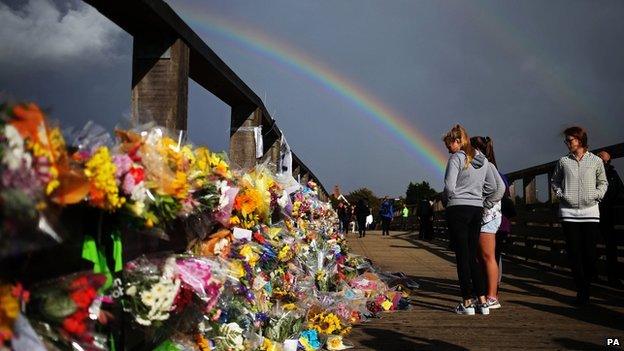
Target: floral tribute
pixel 264 268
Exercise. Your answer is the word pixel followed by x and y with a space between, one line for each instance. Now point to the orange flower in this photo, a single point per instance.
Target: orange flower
pixel 248 201
pixel 28 119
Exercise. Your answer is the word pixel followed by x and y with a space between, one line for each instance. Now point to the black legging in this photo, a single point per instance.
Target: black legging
pixel 581 247
pixel 385 226
pixel 464 224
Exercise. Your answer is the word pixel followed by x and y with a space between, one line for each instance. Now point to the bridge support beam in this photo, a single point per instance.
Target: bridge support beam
pixel 160 71
pixel 242 140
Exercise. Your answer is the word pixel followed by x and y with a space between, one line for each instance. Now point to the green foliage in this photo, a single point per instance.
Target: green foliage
pixel 418 191
pixel 369 197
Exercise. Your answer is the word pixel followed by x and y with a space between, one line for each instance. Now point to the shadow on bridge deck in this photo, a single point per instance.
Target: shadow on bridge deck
pixel 537 312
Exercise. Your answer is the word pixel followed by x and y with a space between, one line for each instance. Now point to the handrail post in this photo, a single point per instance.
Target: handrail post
pixel 530 191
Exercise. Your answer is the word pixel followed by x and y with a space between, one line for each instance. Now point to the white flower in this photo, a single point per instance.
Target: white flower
pixel 131 291
pixel 223 187
pixel 139 193
pixel 220 245
pixel 148 298
pixel 283 200
pixel 142 321
pixel 14 156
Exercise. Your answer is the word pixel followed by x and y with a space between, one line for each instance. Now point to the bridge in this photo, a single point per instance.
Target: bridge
pixel 536 293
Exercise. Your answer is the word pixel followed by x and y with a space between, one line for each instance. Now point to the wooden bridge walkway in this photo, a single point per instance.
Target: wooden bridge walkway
pixel 536 305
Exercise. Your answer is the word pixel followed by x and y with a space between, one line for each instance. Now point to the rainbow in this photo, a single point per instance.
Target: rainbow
pixel 376 111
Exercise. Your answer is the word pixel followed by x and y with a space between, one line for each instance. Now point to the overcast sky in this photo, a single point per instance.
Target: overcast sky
pixel 518 71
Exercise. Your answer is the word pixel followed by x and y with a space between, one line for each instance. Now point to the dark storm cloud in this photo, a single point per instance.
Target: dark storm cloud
pixel 516 71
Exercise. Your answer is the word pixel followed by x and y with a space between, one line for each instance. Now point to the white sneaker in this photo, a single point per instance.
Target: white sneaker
pixel 493 303
pixel 467 310
pixel 483 308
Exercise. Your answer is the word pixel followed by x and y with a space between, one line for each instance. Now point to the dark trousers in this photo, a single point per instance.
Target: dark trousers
pixel 345 225
pixel 607 230
pixel 385 226
pixel 581 247
pixel 464 224
pixel 426 228
pixel 361 224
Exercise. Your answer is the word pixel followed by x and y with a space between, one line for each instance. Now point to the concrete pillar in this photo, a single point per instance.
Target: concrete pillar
pixel 272 156
pixel 304 178
pixel 160 69
pixel 242 141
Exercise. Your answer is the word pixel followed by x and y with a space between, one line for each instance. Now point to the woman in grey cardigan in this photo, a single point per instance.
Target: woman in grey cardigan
pixel 579 182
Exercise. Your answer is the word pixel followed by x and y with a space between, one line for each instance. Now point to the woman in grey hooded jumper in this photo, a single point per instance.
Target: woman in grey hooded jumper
pixel 469 186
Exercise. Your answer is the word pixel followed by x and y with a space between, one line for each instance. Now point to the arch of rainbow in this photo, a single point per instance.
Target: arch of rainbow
pixel 399 128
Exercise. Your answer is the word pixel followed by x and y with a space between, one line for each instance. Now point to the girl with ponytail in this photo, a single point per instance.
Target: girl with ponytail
pixel 469 186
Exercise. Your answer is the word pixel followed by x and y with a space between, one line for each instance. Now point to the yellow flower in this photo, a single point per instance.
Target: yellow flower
pixel 202 160
pixel 334 342
pixel 237 269
pixel 234 221
pixel 289 306
pixel 100 170
pixel 180 186
pixel 250 256
pixel 284 254
pixel 268 345
pixel 219 166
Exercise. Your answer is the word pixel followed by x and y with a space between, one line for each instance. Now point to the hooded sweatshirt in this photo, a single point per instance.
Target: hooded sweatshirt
pixel 494 212
pixel 475 185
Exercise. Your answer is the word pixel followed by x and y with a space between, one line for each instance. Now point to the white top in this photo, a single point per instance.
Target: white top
pixel 587 214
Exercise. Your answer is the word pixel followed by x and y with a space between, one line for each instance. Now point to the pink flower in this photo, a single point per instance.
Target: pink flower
pixel 123 163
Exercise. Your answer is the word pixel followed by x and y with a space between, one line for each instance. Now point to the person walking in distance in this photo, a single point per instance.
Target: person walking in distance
pixel 492 218
pixel 425 218
pixel 361 212
pixel 341 211
pixel 469 185
pixel 404 217
pixel 579 182
pixel 385 213
pixel 614 196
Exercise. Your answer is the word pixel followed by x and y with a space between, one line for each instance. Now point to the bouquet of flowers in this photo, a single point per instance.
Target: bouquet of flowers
pixel 65 311
pixel 11 299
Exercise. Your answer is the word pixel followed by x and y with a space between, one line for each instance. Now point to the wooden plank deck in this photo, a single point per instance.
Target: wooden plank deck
pixel 536 311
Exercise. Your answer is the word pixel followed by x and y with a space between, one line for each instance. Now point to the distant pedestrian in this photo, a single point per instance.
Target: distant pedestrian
pixel 361 212
pixel 425 219
pixel 385 213
pixel 579 182
pixel 353 220
pixel 491 221
pixel 469 185
pixel 404 217
pixel 614 196
pixel 342 217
